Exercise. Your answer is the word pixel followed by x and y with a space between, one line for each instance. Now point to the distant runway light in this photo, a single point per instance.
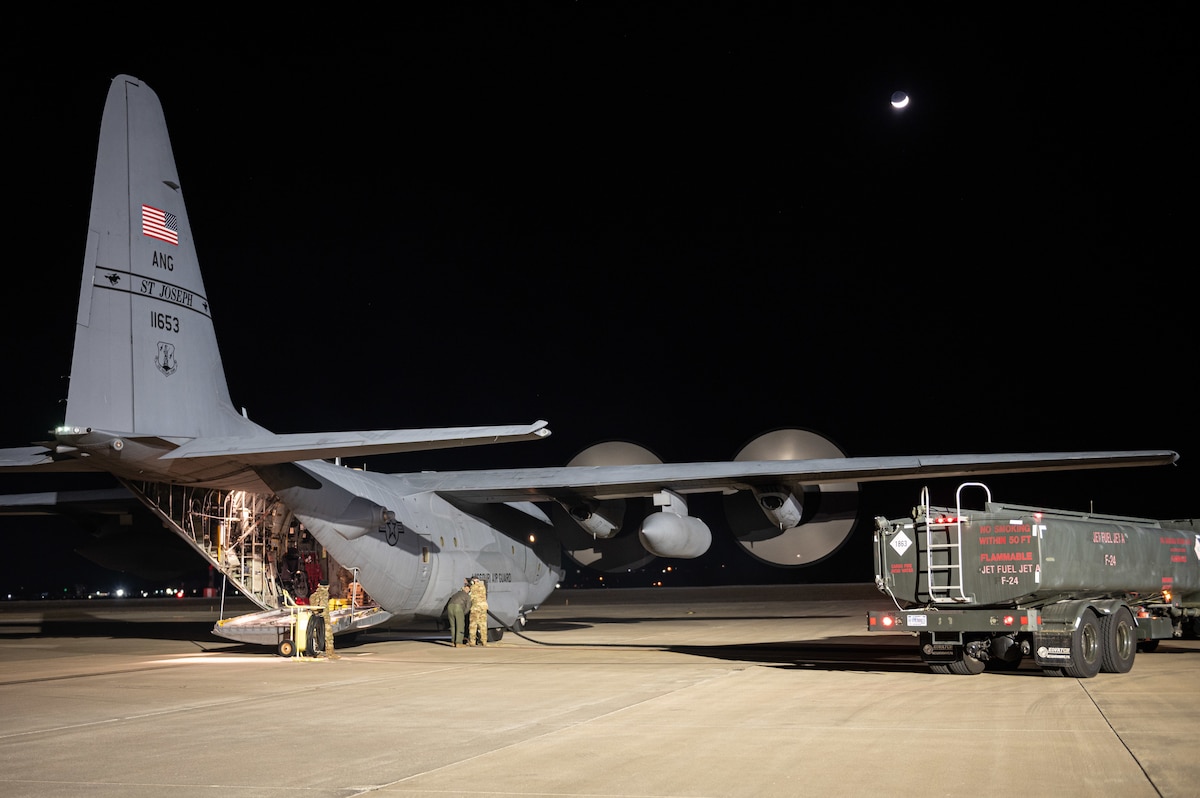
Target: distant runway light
pixel 899 99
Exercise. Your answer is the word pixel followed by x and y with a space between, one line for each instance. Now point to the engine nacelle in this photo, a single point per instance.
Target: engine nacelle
pixel 607 540
pixel 803 524
pixel 600 519
pixel 780 505
pixel 667 534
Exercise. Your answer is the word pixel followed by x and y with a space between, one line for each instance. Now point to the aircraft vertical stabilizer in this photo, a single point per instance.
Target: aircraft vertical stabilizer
pixel 146 358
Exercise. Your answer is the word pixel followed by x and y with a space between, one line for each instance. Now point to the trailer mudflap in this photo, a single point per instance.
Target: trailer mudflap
pixel 1052 648
pixel 940 647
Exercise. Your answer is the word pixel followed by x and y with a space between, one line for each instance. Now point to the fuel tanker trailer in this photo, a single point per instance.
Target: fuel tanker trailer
pixel 1079 592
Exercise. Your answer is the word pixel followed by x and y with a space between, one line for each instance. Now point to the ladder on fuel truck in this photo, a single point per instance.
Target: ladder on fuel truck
pixel 943 548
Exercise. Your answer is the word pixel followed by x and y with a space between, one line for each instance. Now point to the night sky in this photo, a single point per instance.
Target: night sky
pixel 677 227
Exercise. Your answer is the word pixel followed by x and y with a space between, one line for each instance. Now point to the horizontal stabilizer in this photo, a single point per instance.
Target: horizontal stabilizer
pixel 38 458
pixel 103 500
pixel 271 449
pixel 25 457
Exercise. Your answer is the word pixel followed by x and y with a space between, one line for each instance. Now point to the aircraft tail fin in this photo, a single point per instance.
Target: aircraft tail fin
pixel 146 360
pixel 148 396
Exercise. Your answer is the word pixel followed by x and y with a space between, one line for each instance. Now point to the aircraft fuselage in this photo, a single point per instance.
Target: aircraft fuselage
pixel 411 548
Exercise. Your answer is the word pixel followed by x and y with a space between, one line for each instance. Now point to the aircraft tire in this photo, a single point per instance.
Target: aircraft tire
pixel 1119 641
pixel 495 635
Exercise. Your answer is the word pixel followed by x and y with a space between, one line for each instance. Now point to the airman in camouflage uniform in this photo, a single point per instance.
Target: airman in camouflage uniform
pixel 320 598
pixel 479 607
pixel 455 611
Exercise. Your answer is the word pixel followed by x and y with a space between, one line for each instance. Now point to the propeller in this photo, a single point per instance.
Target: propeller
pixel 623 551
pixel 830 509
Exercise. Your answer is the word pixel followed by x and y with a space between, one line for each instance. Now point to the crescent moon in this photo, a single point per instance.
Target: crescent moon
pixel 899 99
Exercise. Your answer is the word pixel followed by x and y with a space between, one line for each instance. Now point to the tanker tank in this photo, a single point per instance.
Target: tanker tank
pixel 991 585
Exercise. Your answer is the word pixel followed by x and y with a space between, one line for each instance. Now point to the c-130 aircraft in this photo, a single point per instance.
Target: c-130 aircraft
pixel 149 404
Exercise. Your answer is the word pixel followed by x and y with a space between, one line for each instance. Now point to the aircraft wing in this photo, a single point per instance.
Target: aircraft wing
pixel 626 481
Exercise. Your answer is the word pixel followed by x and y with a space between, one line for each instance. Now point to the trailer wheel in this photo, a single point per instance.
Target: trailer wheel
pixel 1119 639
pixel 286 648
pixel 966 665
pixel 1149 646
pixel 1086 647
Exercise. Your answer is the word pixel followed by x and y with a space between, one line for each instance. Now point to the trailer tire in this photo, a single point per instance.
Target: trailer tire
pixel 966 665
pixel 1119 639
pixel 1087 647
pixel 1148 646
pixel 286 648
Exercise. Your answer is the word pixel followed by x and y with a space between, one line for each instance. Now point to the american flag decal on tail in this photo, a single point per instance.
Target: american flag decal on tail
pixel 162 225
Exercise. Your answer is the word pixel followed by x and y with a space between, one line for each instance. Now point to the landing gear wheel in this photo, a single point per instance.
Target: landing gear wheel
pixel 1119 639
pixel 1086 647
pixel 286 648
pixel 495 635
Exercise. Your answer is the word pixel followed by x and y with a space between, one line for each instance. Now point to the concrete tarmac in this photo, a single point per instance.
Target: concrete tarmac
pixel 695 693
